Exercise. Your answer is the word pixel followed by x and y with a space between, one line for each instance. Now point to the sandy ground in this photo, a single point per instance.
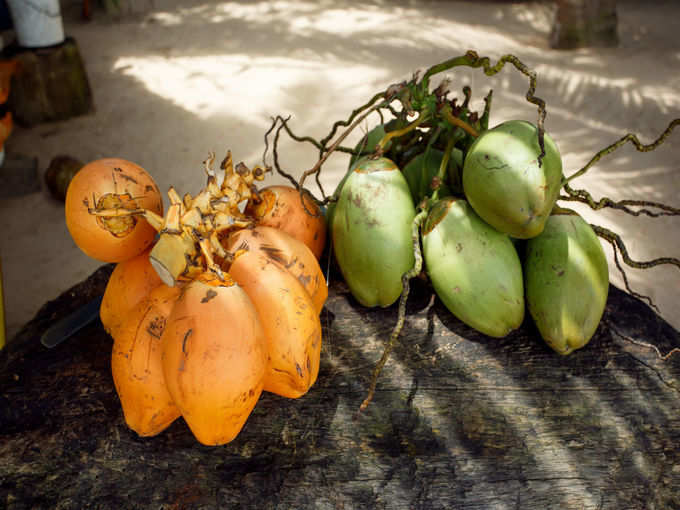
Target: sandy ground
pixel 175 79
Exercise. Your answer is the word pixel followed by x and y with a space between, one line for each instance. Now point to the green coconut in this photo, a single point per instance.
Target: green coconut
pixel 423 168
pixel 474 269
pixel 567 281
pixel 371 231
pixel 504 183
pixel 368 143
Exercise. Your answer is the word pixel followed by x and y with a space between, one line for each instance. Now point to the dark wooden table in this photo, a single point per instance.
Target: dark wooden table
pixel 459 421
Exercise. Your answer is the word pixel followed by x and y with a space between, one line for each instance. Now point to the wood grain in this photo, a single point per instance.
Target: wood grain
pixel 459 421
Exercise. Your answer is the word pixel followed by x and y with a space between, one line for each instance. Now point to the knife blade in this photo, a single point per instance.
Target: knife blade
pixel 68 326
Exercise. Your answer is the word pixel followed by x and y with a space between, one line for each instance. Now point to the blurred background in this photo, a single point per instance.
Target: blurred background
pixel 170 81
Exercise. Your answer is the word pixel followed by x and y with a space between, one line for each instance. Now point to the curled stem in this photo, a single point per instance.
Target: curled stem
pixel 405 280
pixel 307 139
pixel 401 132
pixel 469 59
pixel 490 70
pixel 317 167
pixel 455 121
pixel 630 137
pixel 620 248
pixel 484 120
pixel 624 276
pixel 357 111
pixel 472 59
pixel 581 195
pixel 615 240
pixel 284 125
pixel 441 174
pixel 266 139
pixel 467 93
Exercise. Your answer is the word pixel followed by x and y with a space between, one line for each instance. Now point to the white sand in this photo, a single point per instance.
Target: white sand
pixel 174 80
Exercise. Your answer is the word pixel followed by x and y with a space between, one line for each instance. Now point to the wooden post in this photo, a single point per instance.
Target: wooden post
pixel 49 84
pixel 581 23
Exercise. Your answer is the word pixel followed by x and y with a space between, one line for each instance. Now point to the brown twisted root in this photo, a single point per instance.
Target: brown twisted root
pixel 616 241
pixel 620 249
pixel 405 280
pixel 633 139
pixel 581 195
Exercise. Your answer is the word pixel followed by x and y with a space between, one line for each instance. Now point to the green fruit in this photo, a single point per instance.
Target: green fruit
pixel 369 142
pixel 567 281
pixel 371 231
pixel 424 167
pixel 505 185
pixel 474 269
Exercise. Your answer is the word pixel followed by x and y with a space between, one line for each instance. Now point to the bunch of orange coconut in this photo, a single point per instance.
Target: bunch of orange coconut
pixel 212 303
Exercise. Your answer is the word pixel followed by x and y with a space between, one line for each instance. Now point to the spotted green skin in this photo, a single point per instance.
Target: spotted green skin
pixel 371 231
pixel 567 282
pixel 474 269
pixel 368 143
pixel 503 182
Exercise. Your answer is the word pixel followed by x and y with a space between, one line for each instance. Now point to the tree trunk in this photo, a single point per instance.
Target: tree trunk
pixel 582 23
pixel 49 84
pixel 459 421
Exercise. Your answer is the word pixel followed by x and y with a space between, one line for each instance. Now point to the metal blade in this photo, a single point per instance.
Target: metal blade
pixel 68 326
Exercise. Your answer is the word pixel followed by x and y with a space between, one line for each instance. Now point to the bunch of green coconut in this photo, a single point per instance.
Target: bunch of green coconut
pixel 433 190
pixel 471 218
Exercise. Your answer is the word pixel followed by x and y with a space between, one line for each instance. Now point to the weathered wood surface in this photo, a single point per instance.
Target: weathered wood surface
pixel 459 421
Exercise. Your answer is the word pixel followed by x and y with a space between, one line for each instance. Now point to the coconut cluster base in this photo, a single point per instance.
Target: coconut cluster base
pixel 458 421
